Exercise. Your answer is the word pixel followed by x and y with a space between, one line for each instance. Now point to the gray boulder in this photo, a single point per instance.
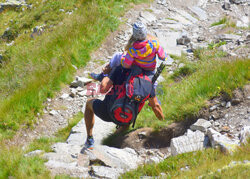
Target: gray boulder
pixel 105 172
pixel 71 169
pixel 238 1
pixel 228 37
pixel 80 82
pixel 226 5
pixel 125 158
pixel 34 153
pixel 64 148
pixel 12 4
pixel 218 140
pixel 201 125
pixel 244 134
pixel 202 15
pixel 76 139
pixel 168 42
pixel 184 40
pixel 66 158
pixel 243 22
pixel 148 17
pixel 192 141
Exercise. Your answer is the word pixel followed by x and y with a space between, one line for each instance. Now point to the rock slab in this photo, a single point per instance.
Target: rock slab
pixel 193 141
pixel 218 140
pixel 201 125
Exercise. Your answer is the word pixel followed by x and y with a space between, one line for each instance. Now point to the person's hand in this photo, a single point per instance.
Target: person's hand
pixel 107 69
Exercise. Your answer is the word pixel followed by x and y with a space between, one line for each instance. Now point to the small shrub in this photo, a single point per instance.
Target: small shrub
pixel 222 21
pixel 225 20
pixel 213 45
pixel 183 72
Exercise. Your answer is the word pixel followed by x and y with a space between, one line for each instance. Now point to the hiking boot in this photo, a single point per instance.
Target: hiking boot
pixel 97 77
pixel 89 144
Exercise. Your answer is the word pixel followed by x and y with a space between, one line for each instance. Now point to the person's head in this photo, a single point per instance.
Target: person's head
pixel 139 34
pixel 139 31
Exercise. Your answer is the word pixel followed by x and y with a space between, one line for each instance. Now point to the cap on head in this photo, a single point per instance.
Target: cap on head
pixel 139 31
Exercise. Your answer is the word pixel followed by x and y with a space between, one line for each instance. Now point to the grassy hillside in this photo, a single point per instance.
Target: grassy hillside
pixel 33 68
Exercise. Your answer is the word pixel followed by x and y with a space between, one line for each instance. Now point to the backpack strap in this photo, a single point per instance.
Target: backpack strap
pixel 124 103
pixel 158 72
pixel 136 112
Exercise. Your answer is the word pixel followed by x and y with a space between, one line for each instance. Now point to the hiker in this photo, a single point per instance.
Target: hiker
pixel 101 107
pixel 141 50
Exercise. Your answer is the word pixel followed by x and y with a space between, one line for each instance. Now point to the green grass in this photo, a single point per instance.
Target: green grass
pixel 183 72
pixel 44 143
pixel 225 20
pixel 201 163
pixel 35 68
pixel 186 98
pixel 221 21
pixel 12 160
pixel 171 19
pixel 213 45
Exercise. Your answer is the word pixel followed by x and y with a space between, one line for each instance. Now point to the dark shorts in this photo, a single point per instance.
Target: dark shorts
pixel 100 109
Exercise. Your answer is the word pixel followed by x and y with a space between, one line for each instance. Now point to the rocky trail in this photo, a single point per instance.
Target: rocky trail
pixel 181 28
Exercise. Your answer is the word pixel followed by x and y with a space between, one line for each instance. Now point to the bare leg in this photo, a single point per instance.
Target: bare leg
pixel 89 117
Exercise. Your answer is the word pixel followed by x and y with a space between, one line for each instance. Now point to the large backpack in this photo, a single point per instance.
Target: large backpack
pixel 128 99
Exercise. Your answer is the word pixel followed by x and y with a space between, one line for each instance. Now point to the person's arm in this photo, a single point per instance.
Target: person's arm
pixel 159 50
pixel 156 107
pixel 161 54
pixel 106 84
pixel 107 69
pixel 127 60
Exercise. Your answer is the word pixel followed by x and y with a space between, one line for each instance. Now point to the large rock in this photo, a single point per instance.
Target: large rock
pixel 226 5
pixel 34 153
pixel 148 17
pixel 243 22
pixel 202 3
pixel 192 141
pixel 168 42
pixel 76 139
pixel 80 82
pixel 228 37
pixel 187 16
pixel 105 172
pixel 62 168
pixel 201 125
pixel 169 61
pixel 244 134
pixel 238 1
pixel 12 4
pixel 184 40
pixel 218 140
pixel 59 157
pixel 181 18
pixel 125 158
pixel 202 15
pixel 64 148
